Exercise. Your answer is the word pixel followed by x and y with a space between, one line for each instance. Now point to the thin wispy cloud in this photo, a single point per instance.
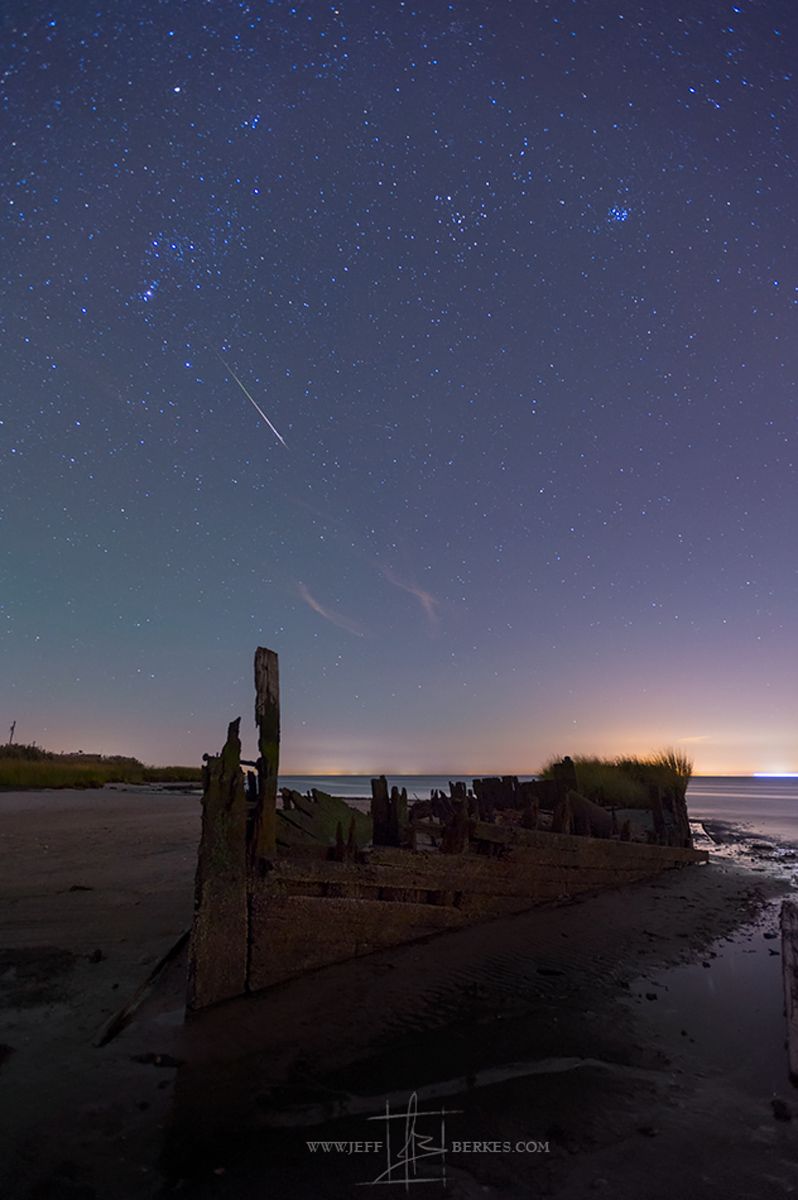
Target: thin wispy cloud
pixel 334 618
pixel 428 602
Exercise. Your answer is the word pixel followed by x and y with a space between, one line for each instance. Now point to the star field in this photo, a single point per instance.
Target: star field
pixel 518 285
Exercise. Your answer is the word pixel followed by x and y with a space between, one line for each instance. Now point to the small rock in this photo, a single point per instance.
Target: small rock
pixel 95 956
pixel 651 996
pixel 647 1130
pixel 769 936
pixel 81 887
pixel 157 1060
pixel 781 1109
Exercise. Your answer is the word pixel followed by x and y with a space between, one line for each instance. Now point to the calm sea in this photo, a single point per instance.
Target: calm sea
pixel 765 806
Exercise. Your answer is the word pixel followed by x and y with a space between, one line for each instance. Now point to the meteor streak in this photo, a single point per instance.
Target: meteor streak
pixel 254 403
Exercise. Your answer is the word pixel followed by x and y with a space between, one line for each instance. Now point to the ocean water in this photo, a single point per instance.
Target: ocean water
pixel 358 786
pixel 768 807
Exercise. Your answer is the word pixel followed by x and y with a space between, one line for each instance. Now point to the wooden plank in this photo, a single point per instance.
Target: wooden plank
pixel 333 809
pixel 291 834
pixel 512 835
pixel 123 1016
pixel 471 875
pixel 298 819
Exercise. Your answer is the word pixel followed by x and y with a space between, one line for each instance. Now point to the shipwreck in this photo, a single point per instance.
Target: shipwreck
pixel 289 883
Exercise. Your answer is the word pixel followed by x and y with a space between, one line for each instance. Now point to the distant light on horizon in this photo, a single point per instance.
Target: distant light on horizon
pixel 775 774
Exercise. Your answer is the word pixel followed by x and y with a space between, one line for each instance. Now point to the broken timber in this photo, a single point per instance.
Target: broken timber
pixel 282 891
pixel 267 719
pixel 217 965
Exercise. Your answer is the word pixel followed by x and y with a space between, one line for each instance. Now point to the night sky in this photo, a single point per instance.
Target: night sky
pixel 517 285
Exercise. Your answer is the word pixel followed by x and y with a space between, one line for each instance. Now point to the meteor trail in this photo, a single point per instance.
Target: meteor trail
pixel 255 405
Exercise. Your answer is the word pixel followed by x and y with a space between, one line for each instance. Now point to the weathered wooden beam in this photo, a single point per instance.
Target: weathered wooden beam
pixel 564 774
pixel 789 964
pixel 380 812
pixel 588 819
pixel 263 840
pixel 483 790
pixel 319 814
pixel 122 1017
pixel 455 833
pixel 677 802
pixel 531 814
pixel 397 817
pixel 562 818
pixel 217 962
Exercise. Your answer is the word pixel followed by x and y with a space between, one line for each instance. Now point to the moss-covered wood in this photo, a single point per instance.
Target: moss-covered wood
pixel 319 815
pixel 267 719
pixel 218 944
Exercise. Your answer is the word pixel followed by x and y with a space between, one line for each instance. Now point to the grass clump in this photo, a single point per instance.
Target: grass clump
pixel 172 775
pixel 624 782
pixel 29 766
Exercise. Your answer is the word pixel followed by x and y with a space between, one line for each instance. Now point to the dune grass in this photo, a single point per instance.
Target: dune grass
pixel 624 782
pixel 29 766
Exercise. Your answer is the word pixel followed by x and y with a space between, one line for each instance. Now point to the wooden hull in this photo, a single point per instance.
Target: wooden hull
pixel 308 913
pixel 280 892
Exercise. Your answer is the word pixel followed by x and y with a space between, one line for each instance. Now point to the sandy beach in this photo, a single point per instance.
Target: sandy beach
pixel 635 1037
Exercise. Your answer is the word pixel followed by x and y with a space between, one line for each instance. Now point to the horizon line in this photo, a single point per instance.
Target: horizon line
pixel 500 774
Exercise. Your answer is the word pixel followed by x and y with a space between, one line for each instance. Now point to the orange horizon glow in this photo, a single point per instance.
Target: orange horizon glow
pixel 763 752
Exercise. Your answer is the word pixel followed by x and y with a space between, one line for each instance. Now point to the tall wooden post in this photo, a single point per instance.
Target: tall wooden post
pixel 397 816
pixel 267 718
pixel 217 959
pixel 380 809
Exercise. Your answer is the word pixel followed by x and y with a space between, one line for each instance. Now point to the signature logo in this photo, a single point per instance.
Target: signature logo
pixel 415 1143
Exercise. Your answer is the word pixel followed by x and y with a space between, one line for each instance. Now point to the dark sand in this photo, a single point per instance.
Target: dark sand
pixel 639 1032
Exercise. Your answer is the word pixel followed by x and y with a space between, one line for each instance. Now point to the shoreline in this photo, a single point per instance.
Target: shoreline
pixel 567 986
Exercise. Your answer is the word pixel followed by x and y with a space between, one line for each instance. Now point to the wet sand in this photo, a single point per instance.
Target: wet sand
pixel 639 1033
